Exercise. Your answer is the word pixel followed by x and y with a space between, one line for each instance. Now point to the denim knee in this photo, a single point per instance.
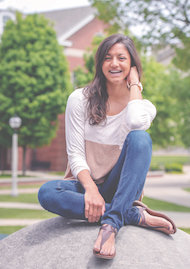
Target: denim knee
pixel 140 140
pixel 43 194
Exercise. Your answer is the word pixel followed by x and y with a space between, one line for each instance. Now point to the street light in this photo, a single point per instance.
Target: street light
pixel 15 123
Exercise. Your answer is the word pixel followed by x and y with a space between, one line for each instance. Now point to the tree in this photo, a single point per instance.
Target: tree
pixel 158 85
pixel 84 76
pixel 181 92
pixel 34 81
pixel 161 21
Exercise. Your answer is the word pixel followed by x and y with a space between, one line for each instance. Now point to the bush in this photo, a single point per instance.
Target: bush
pixel 173 167
pixel 156 167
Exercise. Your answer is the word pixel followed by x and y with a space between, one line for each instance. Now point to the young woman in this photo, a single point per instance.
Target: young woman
pixel 109 152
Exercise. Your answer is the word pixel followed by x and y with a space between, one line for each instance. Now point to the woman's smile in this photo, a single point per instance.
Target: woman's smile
pixel 115 72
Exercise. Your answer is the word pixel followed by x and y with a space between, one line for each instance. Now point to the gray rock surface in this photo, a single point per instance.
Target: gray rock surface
pixel 61 243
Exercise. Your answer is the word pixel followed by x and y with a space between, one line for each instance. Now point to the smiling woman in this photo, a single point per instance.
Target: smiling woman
pixel 109 152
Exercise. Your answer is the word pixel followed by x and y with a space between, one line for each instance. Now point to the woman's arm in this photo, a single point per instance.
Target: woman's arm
pixel 133 78
pixel 74 131
pixel 140 113
pixel 75 141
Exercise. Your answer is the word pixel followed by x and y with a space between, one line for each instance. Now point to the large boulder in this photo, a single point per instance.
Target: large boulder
pixel 61 243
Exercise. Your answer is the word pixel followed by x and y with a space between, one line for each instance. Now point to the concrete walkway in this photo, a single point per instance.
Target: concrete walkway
pixel 165 187
pixel 170 187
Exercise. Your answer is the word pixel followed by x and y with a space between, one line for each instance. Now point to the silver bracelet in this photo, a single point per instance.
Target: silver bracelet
pixel 136 83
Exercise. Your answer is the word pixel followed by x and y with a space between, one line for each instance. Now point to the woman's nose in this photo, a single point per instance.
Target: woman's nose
pixel 114 62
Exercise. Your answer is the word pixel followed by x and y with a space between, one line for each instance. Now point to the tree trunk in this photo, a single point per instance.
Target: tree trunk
pixel 24 161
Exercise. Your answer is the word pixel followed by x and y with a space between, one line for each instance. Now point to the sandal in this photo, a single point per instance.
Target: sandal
pixel 107 231
pixel 154 213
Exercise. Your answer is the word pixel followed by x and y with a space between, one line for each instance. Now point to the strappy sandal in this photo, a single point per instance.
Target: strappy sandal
pixel 154 213
pixel 107 231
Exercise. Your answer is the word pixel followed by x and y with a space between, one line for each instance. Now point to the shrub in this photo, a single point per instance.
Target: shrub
pixel 156 167
pixel 173 167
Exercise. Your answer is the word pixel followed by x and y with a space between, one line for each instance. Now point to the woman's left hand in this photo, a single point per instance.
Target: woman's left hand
pixel 133 75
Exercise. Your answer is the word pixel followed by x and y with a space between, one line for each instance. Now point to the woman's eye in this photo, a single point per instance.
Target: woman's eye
pixel 107 58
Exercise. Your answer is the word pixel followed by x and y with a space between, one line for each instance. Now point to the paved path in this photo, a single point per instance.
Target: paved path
pixel 170 188
pixel 20 205
pixel 165 187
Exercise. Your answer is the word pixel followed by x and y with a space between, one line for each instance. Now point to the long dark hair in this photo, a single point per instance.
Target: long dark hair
pixel 96 92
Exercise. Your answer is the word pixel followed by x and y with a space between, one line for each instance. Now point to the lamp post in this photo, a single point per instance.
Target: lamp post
pixel 15 123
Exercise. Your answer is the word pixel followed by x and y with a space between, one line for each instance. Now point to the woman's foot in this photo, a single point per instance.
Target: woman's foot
pixel 104 246
pixel 157 223
pixel 154 220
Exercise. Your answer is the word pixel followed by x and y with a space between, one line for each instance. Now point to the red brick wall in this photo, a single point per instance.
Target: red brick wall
pixel 56 152
pixel 28 158
pixel 74 62
pixel 83 38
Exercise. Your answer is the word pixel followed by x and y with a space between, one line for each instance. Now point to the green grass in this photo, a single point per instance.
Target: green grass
pixel 10 229
pixel 187 189
pixel 187 230
pixel 12 213
pixel 170 159
pixel 9 175
pixel 58 173
pixel 20 186
pixel 161 205
pixel 21 198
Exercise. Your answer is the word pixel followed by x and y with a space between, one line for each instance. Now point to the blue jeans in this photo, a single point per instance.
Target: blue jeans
pixel 122 187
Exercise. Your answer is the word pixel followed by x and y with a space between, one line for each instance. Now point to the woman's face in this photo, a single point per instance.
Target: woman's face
pixel 117 64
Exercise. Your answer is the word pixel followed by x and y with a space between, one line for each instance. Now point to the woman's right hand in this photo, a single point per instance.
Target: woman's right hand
pixel 94 204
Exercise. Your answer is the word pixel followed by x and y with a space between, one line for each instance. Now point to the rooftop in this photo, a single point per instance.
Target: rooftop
pixel 70 20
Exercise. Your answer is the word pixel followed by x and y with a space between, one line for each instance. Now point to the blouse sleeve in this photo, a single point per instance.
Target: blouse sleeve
pixel 74 130
pixel 140 114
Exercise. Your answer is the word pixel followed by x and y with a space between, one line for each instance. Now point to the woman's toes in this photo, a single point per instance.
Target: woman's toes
pixel 98 242
pixel 164 224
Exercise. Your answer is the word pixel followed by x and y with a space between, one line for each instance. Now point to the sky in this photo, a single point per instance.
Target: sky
pixel 35 6
pixel 32 6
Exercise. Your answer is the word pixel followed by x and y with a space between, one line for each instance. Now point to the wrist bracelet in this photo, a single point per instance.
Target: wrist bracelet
pixel 137 83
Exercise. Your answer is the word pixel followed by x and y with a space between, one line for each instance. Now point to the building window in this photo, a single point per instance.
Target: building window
pixel 5 19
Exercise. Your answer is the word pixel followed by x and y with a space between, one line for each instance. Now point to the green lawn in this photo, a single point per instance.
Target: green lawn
pixel 9 229
pixel 187 189
pixel 161 205
pixel 21 198
pixel 4 175
pixel 12 213
pixel 187 230
pixel 58 173
pixel 170 159
pixel 20 186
